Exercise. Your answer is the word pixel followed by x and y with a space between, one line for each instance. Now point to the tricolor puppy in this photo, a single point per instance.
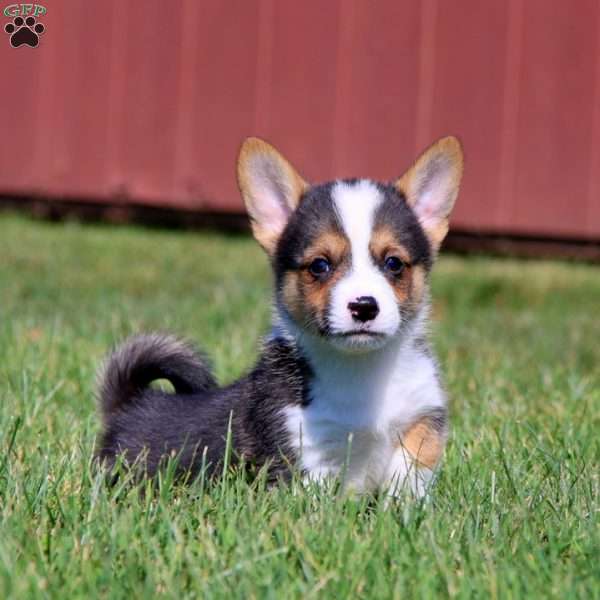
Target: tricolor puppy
pixel 346 383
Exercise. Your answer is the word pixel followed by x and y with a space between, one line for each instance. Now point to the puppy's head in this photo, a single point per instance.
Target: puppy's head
pixel 351 257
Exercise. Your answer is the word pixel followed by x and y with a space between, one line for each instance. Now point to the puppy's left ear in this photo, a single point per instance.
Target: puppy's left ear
pixel 431 185
pixel 271 189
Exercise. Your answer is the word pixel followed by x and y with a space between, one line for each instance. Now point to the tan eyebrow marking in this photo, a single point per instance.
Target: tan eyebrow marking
pixel 412 285
pixel 330 244
pixel 384 241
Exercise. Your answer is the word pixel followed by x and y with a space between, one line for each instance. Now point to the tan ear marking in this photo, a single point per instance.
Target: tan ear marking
pixel 271 189
pixel 431 186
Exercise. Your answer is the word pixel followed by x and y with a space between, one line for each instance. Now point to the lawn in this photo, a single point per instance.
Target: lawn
pixel 515 511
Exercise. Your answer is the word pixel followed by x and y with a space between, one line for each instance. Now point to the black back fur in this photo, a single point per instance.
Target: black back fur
pixel 148 425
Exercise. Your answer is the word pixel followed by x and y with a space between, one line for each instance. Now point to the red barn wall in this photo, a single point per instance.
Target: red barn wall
pixel 147 102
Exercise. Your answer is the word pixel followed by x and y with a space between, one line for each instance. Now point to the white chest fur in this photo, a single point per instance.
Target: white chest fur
pixel 359 407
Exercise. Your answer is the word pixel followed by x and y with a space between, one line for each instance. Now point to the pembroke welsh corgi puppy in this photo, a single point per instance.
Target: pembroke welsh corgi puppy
pixel 346 383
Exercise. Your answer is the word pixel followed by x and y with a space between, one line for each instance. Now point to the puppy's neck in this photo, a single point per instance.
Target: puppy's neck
pixel 348 378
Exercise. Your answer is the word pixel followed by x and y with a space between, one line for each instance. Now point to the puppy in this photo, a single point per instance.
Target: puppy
pixel 346 384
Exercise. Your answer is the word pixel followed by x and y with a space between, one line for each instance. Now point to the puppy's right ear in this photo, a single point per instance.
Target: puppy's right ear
pixel 271 189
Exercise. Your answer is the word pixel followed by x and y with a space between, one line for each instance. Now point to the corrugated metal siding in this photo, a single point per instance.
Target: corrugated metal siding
pixel 147 102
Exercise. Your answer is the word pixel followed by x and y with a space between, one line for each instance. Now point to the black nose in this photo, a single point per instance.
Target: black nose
pixel 364 309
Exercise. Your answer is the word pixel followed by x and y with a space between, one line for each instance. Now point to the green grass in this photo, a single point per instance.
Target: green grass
pixel 515 512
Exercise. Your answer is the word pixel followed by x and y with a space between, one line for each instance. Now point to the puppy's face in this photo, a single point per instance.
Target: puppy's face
pixel 351 258
pixel 351 263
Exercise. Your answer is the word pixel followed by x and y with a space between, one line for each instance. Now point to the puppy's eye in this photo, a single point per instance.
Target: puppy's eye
pixel 394 265
pixel 319 267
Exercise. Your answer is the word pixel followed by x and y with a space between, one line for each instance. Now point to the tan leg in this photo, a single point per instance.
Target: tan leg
pixel 425 442
pixel 419 450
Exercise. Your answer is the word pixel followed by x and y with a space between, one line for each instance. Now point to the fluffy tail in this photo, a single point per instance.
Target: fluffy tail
pixel 142 359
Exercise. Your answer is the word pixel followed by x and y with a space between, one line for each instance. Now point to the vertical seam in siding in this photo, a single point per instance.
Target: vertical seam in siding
pixel 264 66
pixel 184 178
pixel 343 81
pixel 510 113
pixel 426 84
pixel 592 226
pixel 116 181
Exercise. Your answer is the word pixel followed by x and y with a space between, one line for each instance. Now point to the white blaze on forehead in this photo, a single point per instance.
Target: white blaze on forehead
pixel 356 205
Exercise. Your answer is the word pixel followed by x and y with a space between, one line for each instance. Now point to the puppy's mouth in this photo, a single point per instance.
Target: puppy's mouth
pixel 358 340
pixel 358 333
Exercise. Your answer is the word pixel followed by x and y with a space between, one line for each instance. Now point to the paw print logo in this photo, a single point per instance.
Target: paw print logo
pixel 24 31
